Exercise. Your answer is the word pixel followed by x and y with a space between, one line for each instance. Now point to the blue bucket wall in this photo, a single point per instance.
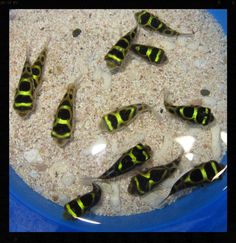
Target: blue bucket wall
pixel 204 210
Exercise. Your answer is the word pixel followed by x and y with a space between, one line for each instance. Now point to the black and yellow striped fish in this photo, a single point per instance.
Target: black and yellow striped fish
pixel 121 117
pixel 63 124
pixel 149 179
pixel 38 66
pixel 134 157
pixel 195 114
pixel 200 175
pixel 153 23
pixel 116 55
pixel 24 100
pixel 82 204
pixel 150 53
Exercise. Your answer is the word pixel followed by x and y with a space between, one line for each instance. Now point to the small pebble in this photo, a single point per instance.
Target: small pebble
pixel 76 32
pixel 205 92
pixel 33 174
pixel 32 156
pixel 41 167
pixel 59 70
pixel 54 198
pixel 200 63
pixel 38 189
pixel 68 179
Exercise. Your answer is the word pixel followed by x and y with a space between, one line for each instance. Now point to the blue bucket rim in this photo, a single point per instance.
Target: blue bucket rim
pixel 190 218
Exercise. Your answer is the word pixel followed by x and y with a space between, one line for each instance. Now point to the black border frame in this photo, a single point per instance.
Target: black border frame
pixel 5 5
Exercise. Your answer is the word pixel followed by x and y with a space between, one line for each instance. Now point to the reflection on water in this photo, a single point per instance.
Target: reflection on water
pixel 97 148
pixel 88 221
pixel 218 174
pixel 186 142
pixel 189 156
pixel 223 136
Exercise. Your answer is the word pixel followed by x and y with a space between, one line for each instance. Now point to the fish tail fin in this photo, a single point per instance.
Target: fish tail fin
pixel 27 52
pixel 155 111
pixel 178 159
pixel 188 34
pixel 144 107
pixel 110 173
pixel 182 152
pixel 136 29
pixel 164 201
pixel 78 81
pixel 47 42
pixel 75 85
pixel 167 103
pixel 88 181
pixel 96 188
pixel 102 126
pixel 167 95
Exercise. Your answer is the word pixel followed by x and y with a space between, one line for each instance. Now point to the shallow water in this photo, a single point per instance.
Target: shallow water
pixel 194 64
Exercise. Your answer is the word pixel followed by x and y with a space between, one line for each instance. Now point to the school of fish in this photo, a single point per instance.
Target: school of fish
pixel 148 179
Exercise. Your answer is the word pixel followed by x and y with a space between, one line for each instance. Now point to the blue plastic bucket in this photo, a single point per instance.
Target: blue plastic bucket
pixel 205 209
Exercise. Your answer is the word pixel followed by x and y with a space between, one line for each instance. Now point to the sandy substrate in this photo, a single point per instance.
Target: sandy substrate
pixel 194 63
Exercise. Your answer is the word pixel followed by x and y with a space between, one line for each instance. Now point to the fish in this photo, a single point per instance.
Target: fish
pixel 193 113
pixel 64 122
pixel 121 117
pixel 116 55
pixel 128 161
pixel 134 157
pixel 200 175
pixel 148 179
pixel 82 204
pixel 24 99
pixel 151 22
pixel 152 54
pixel 38 65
